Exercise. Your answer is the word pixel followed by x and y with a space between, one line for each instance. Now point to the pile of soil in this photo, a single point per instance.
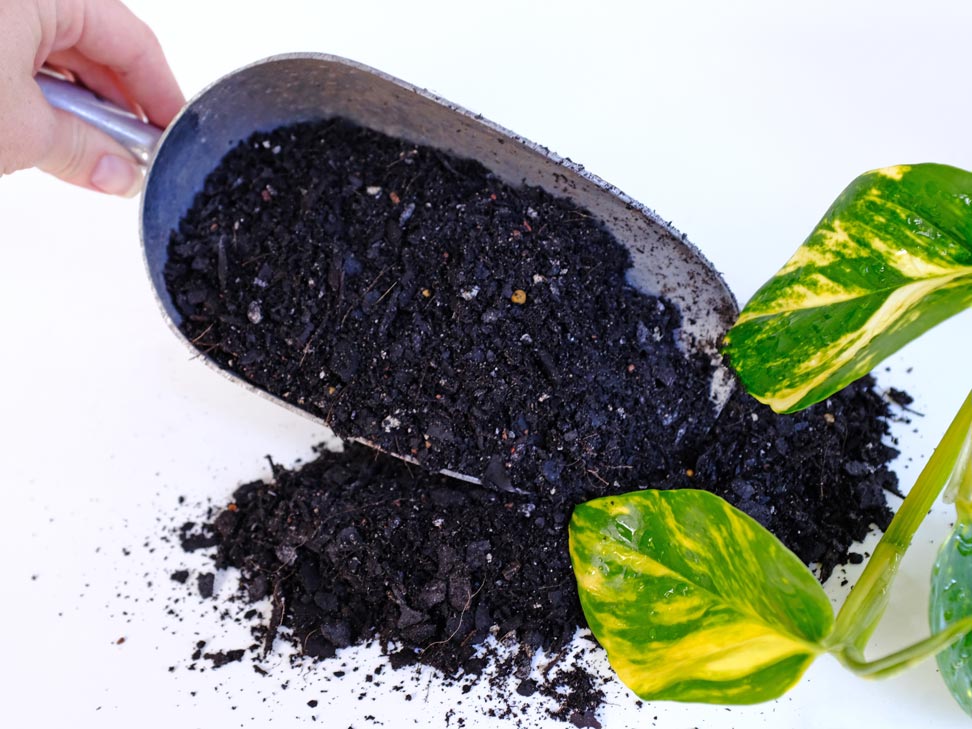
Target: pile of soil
pixel 357 545
pixel 413 299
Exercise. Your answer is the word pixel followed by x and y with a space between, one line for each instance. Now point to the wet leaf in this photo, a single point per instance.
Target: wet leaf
pixel 951 599
pixel 890 259
pixel 951 583
pixel 694 600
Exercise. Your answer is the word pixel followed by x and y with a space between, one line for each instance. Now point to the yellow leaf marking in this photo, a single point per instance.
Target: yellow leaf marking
pixel 626 559
pixel 601 585
pixel 677 609
pixel 834 243
pixel 721 653
pixel 842 351
pixel 896 173
pixel 819 291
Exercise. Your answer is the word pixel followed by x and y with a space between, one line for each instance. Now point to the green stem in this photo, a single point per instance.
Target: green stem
pixel 959 487
pixel 865 605
pixel 906 657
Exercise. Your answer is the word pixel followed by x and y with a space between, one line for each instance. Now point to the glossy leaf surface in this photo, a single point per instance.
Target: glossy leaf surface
pixel 951 583
pixel 889 260
pixel 951 599
pixel 694 600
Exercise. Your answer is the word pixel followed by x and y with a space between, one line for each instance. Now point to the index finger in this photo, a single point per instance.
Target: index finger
pixel 108 33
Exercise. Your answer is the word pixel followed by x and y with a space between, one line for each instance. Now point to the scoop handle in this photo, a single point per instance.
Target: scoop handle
pixel 137 136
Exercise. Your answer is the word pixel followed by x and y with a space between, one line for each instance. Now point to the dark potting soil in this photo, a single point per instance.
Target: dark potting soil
pixel 413 299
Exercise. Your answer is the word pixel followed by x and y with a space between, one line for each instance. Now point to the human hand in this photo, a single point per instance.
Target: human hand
pixel 111 52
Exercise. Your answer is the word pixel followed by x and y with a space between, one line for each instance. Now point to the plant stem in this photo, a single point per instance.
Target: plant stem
pixel 959 487
pixel 865 605
pixel 906 657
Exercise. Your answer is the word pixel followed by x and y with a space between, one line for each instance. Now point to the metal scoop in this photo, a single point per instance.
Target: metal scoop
pixel 292 88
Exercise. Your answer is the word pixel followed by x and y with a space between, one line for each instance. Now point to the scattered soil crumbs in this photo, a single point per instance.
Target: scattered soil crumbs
pixel 413 299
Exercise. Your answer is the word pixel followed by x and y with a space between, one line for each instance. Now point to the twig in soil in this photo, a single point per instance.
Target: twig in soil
pixel 590 271
pixel 303 645
pixel 330 411
pixel 364 293
pixel 205 349
pixel 276 618
pixel 462 615
pixel 401 158
pixel 252 259
pixel 428 301
pixel 596 475
pixel 202 334
pixel 381 273
pixel 900 399
pixel 408 185
pixel 388 291
pixel 310 341
pixel 554 661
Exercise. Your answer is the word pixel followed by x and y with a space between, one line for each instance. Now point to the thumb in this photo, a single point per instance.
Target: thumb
pixel 78 153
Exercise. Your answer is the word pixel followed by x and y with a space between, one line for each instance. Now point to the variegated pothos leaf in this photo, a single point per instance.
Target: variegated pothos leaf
pixel 693 600
pixel 890 259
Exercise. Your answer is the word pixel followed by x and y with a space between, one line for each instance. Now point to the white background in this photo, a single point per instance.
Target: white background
pixel 738 122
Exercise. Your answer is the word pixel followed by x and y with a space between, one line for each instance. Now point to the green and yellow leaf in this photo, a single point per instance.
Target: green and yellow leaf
pixel 693 600
pixel 890 259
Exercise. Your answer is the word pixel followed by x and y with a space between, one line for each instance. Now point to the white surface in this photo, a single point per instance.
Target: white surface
pixel 739 126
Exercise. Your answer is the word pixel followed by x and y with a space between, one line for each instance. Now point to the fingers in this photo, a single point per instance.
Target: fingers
pixel 64 146
pixel 83 156
pixel 94 76
pixel 107 33
pixel 114 52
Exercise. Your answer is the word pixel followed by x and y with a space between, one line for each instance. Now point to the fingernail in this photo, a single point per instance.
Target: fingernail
pixel 117 176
